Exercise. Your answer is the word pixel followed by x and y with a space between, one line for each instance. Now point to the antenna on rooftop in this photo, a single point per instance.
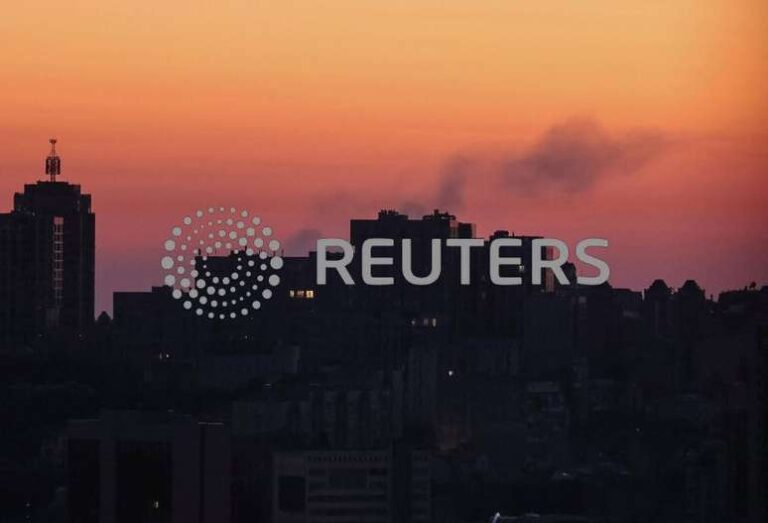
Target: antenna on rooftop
pixel 53 162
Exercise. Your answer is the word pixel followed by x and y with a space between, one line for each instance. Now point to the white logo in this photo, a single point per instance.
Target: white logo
pixel 221 263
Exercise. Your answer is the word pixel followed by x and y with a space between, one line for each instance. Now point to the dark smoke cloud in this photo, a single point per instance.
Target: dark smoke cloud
pixel 570 157
pixel 302 241
pixel 575 155
pixel 450 192
pixel 453 184
pixel 413 209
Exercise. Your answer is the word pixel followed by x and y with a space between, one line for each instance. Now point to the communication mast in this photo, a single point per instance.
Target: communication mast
pixel 53 162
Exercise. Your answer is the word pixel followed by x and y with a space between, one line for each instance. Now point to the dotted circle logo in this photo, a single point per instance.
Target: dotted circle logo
pixel 221 263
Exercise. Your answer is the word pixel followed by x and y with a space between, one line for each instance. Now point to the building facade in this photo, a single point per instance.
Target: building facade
pixel 47 260
pixel 130 467
pixel 375 486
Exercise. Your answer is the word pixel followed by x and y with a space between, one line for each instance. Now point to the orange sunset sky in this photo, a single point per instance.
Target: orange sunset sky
pixel 642 122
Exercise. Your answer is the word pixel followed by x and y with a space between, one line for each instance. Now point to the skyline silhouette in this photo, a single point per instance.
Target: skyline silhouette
pixel 582 403
pixel 173 164
pixel 138 269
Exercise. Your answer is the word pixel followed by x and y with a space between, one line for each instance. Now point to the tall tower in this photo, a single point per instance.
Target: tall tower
pixel 47 259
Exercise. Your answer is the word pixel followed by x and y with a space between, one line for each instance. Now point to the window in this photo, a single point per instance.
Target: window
pixel 302 293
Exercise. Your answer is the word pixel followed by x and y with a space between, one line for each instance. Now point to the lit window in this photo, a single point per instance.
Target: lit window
pixel 310 294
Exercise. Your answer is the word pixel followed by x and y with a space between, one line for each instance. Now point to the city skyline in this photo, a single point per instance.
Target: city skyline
pixel 403 261
pixel 653 114
pixel 302 242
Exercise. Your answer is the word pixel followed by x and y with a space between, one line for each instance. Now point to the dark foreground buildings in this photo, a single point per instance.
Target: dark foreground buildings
pixel 47 251
pixel 129 466
pixel 451 403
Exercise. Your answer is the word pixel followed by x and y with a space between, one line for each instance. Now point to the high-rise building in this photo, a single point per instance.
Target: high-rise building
pixel 47 259
pixel 132 466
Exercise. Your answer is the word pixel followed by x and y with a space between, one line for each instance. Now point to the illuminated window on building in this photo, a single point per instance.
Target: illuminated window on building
pixel 307 294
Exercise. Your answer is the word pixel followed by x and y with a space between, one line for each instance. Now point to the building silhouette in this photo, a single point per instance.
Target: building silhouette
pixel 578 403
pixel 47 259
pixel 399 403
pixel 361 485
pixel 131 466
